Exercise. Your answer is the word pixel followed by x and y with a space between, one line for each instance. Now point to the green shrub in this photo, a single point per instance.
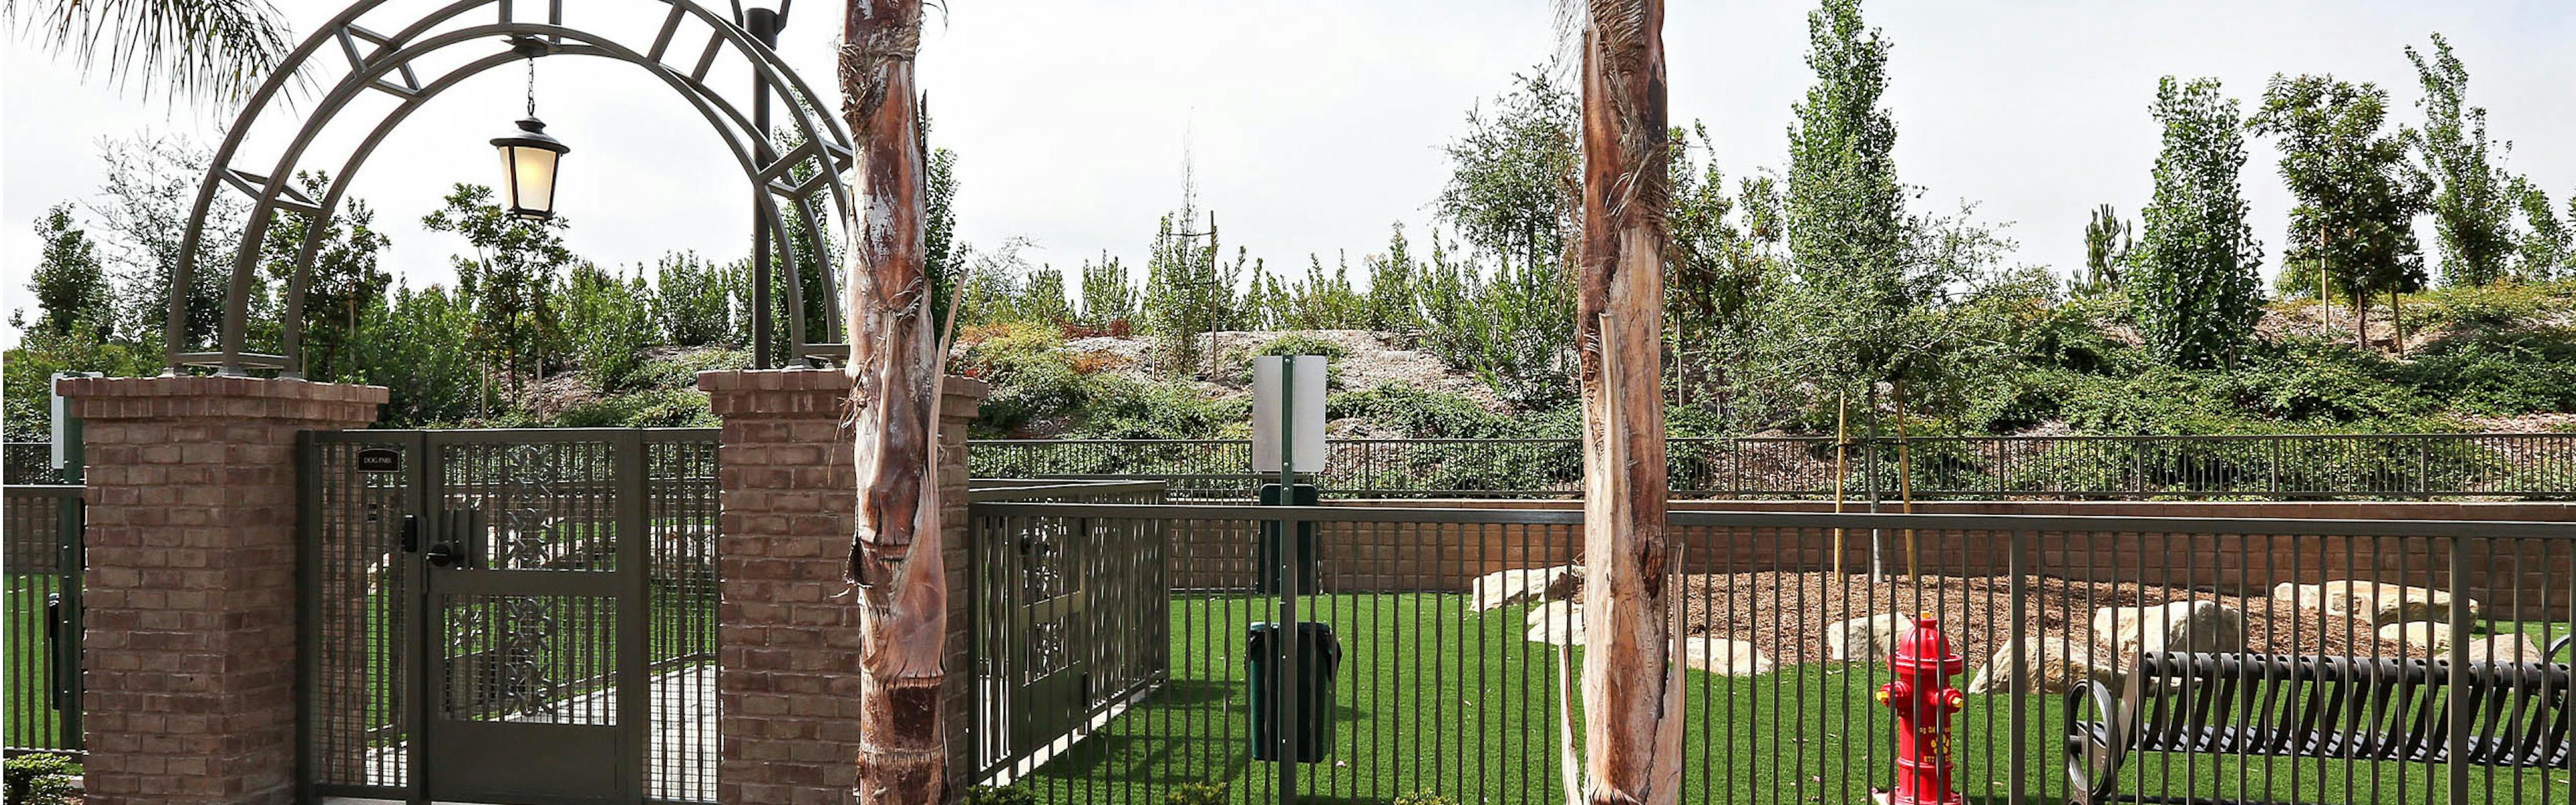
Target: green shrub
pixel 2498 305
pixel 2500 373
pixel 1124 408
pixel 38 779
pixel 679 370
pixel 1302 344
pixel 658 408
pixel 1032 375
pixel 1422 414
pixel 1424 797
pixel 1196 794
pixel 1002 795
pixel 2311 382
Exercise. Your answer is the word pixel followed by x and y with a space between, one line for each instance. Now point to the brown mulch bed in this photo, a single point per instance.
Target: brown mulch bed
pixel 1785 614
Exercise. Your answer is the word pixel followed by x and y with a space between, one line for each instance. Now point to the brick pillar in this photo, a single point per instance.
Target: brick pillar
pixel 787 630
pixel 190 651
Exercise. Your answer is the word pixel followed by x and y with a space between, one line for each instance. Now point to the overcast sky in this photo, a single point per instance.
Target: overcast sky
pixel 1316 124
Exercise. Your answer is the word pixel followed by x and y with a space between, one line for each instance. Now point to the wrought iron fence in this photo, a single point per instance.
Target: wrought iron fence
pixel 1069 620
pixel 40 527
pixel 2261 466
pixel 2108 659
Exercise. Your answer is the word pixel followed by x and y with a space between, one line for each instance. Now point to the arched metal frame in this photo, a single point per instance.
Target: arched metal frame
pixel 385 63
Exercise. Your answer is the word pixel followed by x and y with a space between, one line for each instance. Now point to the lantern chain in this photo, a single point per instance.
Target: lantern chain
pixel 532 86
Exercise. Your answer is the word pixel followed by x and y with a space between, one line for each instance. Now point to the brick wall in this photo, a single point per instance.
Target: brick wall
pixel 190 638
pixel 787 643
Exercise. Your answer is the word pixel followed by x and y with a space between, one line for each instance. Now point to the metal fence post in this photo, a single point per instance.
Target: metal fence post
pixel 2457 699
pixel 2020 643
pixel 1286 638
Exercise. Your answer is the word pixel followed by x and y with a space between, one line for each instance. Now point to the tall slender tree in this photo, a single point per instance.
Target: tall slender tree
pixel 2107 242
pixel 69 285
pixel 1631 683
pixel 2193 286
pixel 894 396
pixel 2473 207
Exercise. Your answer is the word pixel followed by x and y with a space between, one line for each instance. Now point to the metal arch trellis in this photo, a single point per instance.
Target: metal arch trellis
pixel 810 172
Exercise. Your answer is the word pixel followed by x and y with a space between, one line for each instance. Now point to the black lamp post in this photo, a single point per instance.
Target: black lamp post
pixel 763 19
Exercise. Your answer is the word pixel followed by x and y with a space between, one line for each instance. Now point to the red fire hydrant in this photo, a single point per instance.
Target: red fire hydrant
pixel 1923 701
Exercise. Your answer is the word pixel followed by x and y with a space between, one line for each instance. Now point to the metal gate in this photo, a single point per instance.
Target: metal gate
pixel 509 616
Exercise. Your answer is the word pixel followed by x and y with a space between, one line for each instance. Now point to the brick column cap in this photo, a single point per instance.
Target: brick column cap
pixel 186 396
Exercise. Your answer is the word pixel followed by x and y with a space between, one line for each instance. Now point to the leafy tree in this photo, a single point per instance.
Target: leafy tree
pixel 2358 197
pixel 696 300
pixel 1720 272
pixel 1509 200
pixel 1109 297
pixel 2107 241
pixel 606 323
pixel 1188 291
pixel 143 209
pixel 1507 193
pixel 507 280
pixel 2473 208
pixel 1390 289
pixel 343 283
pixel 69 285
pixel 1847 228
pixel 422 347
pixel 2192 282
pixel 2548 245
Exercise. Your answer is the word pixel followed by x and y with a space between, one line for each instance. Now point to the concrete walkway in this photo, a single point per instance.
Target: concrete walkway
pixel 680 766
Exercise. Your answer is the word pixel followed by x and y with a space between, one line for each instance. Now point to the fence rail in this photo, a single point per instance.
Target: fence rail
pixel 1447 677
pixel 2260 466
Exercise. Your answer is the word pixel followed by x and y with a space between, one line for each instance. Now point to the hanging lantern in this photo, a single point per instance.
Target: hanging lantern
pixel 529 157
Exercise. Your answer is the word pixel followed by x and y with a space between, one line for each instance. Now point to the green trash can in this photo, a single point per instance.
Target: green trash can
pixel 1267 583
pixel 1319 656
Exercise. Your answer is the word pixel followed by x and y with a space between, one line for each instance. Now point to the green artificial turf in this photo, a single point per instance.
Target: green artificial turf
pixel 1433 697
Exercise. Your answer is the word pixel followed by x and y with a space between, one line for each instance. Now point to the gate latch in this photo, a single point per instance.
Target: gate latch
pixel 445 554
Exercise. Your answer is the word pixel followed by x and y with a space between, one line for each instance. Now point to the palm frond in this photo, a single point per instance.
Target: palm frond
pixel 205 50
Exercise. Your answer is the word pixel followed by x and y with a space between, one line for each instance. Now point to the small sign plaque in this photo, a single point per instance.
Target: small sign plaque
pixel 380 459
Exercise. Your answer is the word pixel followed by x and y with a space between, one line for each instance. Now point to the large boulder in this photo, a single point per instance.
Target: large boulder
pixel 2508 648
pixel 2054 667
pixel 1556 623
pixel 2418 636
pixel 2381 604
pixel 1724 657
pixel 1868 639
pixel 2178 626
pixel 1504 588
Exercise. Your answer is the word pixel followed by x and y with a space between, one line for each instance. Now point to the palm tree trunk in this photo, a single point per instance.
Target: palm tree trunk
pixel 894 372
pixel 1631 690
